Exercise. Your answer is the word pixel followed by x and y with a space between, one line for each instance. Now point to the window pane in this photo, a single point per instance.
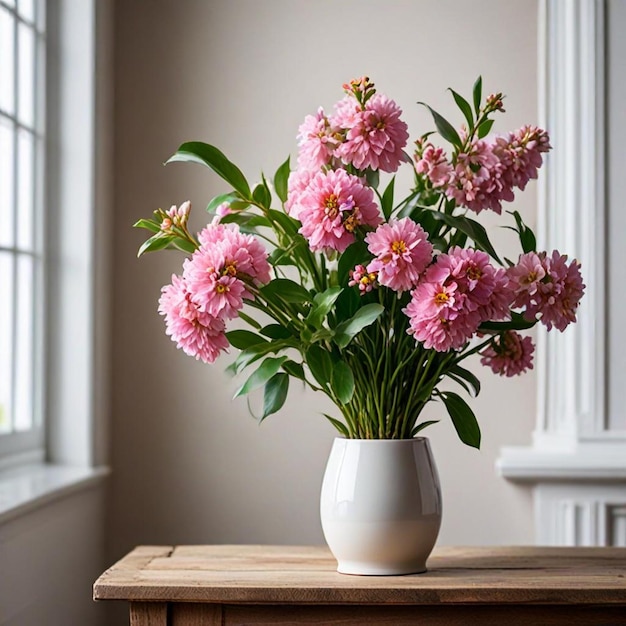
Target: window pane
pixel 24 390
pixel 26 74
pixel 6 283
pixel 6 183
pixel 25 190
pixel 26 8
pixel 7 64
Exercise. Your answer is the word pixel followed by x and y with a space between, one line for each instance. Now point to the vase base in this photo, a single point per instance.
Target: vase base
pixel 368 569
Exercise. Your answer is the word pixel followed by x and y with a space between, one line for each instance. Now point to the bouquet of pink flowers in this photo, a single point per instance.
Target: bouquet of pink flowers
pixel 373 301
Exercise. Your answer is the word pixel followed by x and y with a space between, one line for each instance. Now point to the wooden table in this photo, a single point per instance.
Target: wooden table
pixel 224 585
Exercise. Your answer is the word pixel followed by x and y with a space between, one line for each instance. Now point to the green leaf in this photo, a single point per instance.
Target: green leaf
pixel 262 195
pixel 526 235
pixel 249 320
pixel 477 92
pixel 242 339
pixel 460 372
pixel 156 242
pixel 224 197
pixel 465 107
pixel 387 200
pixel 355 254
pixel 322 304
pixel 276 331
pixel 275 394
pixel 288 224
pixel 445 129
pixel 473 229
pixel 342 381
pixel 210 156
pixel 286 289
pixel 463 418
pixel 517 322
pixel 281 179
pixel 261 375
pixel 294 369
pixel 148 225
pixel 372 177
pixel 184 245
pixel 366 315
pixel 245 220
pixel 340 426
pixel 320 364
pixel 484 128
pixel 422 425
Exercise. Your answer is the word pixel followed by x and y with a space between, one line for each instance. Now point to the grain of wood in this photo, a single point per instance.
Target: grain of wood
pixel 148 614
pixel 306 575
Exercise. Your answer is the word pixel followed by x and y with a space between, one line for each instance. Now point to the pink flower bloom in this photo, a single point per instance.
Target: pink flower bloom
pixel 365 280
pixel 198 334
pixel 176 216
pixel 554 297
pixel 526 275
pixel 242 255
pixel 487 288
pixel 298 181
pixel 217 272
pixel 316 141
pixel 221 211
pixel 449 330
pixel 509 354
pixel 434 164
pixel 402 252
pixel 561 292
pixel 476 181
pixel 333 206
pixel 520 155
pixel 375 135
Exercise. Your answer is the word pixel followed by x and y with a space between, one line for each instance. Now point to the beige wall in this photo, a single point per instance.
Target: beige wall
pixel 189 464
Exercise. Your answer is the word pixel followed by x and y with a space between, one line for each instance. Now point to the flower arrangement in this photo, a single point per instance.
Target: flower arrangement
pixel 374 302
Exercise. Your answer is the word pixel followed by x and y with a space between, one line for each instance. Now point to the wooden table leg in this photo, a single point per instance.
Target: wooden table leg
pixel 148 614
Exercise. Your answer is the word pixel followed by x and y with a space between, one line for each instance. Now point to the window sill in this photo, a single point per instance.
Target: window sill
pixel 26 488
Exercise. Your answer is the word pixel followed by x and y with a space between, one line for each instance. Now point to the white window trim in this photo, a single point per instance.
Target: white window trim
pixel 79 197
pixel 577 461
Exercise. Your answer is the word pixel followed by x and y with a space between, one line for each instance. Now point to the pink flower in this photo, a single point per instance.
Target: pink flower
pixel 526 275
pixel 402 252
pixel 316 141
pixel 242 255
pixel 176 216
pixel 487 288
pixel 458 292
pixel 434 164
pixel 520 155
pixel 221 211
pixel 298 181
pixel 365 280
pixel 548 288
pixel 560 291
pixel 509 354
pixel 375 134
pixel 476 181
pixel 198 334
pixel 333 206
pixel 220 271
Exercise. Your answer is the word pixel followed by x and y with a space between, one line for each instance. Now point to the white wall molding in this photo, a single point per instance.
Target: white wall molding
pixel 577 461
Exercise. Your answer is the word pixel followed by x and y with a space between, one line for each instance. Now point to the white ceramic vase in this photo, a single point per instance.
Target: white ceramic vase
pixel 381 505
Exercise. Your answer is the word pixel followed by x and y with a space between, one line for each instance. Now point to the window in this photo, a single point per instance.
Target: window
pixel 22 112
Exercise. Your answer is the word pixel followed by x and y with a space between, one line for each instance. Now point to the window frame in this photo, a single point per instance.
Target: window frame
pixel 28 445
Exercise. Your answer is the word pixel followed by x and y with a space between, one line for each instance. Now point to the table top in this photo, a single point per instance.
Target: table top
pixel 307 575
